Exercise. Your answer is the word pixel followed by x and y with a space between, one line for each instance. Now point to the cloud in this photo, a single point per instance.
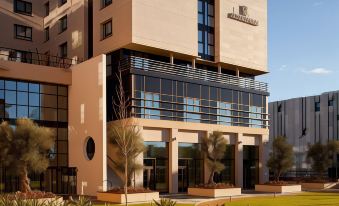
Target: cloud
pixel 282 67
pixel 318 71
pixel 317 3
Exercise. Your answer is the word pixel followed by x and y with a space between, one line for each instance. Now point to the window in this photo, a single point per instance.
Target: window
pixel 330 103
pixel 23 7
pixel 47 8
pixel 23 32
pixel 317 106
pixel 62 2
pixel 63 50
pixel 206 29
pixel 105 3
pixel 63 23
pixel 106 29
pixel 46 33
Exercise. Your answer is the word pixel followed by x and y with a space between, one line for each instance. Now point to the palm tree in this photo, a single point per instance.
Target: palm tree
pixel 214 148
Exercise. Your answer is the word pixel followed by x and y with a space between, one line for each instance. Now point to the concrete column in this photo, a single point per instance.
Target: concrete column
pixel 237 73
pixel 173 161
pixel 239 161
pixel 219 68
pixel 139 175
pixel 193 63
pixel 263 170
pixel 171 58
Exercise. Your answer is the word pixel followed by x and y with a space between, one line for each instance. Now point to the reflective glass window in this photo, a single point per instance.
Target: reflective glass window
pixel 34 99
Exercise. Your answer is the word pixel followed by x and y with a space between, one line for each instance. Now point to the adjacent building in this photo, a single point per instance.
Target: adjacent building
pixel 304 121
pixel 188 67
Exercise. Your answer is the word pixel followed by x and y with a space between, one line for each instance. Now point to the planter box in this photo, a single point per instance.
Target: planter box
pixel 278 188
pixel 317 186
pixel 210 192
pixel 133 197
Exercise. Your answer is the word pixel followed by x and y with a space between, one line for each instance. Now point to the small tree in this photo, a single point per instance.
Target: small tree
pixel 321 156
pixel 26 149
pixel 214 148
pixel 124 134
pixel 281 158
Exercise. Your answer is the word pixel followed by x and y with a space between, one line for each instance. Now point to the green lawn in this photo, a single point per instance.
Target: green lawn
pixel 143 204
pixel 302 199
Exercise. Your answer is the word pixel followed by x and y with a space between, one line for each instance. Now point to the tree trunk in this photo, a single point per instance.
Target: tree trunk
pixel 126 179
pixel 210 179
pixel 24 181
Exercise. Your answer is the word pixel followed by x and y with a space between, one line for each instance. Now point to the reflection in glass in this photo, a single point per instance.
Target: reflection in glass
pixel 10 97
pixel 156 166
pixel 22 98
pixel 22 111
pixel 33 99
pixel 190 166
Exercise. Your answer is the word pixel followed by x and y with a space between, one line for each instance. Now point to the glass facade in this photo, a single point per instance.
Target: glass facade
pixel 206 29
pixel 46 104
pixel 159 98
pixel 190 166
pixel 250 166
pixel 228 174
pixel 156 166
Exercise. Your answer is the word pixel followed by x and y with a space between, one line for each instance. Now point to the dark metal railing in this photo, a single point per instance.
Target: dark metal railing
pixel 29 57
pixel 133 62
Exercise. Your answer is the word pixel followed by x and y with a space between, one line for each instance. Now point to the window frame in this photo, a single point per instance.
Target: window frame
pixel 25 4
pixel 61 24
pixel 47 8
pixel 62 49
pixel 25 37
pixel 61 2
pixel 106 3
pixel 46 34
pixel 104 34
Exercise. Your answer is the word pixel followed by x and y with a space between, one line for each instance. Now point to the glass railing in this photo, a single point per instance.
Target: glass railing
pixel 140 63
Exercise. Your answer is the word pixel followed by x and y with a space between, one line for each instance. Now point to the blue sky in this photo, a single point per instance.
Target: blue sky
pixel 303 48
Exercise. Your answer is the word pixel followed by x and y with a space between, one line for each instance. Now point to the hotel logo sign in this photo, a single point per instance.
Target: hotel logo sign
pixel 243 16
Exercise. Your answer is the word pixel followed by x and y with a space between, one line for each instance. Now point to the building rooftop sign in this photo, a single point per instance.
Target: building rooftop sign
pixel 243 16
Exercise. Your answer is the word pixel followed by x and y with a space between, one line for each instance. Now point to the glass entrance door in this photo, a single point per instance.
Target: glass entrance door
pixel 190 173
pixel 156 166
pixel 250 166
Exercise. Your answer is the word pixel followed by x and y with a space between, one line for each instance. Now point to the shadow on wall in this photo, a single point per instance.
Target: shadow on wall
pixel 76 11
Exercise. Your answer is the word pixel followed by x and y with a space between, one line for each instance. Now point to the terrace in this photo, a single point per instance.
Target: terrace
pixel 30 57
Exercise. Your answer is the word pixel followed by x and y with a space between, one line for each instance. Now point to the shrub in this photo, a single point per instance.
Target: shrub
pixel 164 202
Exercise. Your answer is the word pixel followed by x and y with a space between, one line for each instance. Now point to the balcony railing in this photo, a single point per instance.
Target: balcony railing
pixel 140 63
pixel 29 57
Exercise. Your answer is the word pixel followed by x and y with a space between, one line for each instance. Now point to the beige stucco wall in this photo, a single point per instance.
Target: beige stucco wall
pixel 7 20
pixel 174 132
pixel 167 25
pixel 87 100
pixel 23 71
pixel 76 33
pixel 154 26
pixel 121 14
pixel 238 43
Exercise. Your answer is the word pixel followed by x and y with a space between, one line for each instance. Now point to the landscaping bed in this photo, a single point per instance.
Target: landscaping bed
pixel 34 198
pixel 214 190
pixel 134 195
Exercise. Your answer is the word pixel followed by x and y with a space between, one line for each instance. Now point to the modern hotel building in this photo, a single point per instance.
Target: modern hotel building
pixel 304 121
pixel 188 67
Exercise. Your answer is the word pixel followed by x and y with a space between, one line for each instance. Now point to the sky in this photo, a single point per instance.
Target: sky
pixel 303 48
